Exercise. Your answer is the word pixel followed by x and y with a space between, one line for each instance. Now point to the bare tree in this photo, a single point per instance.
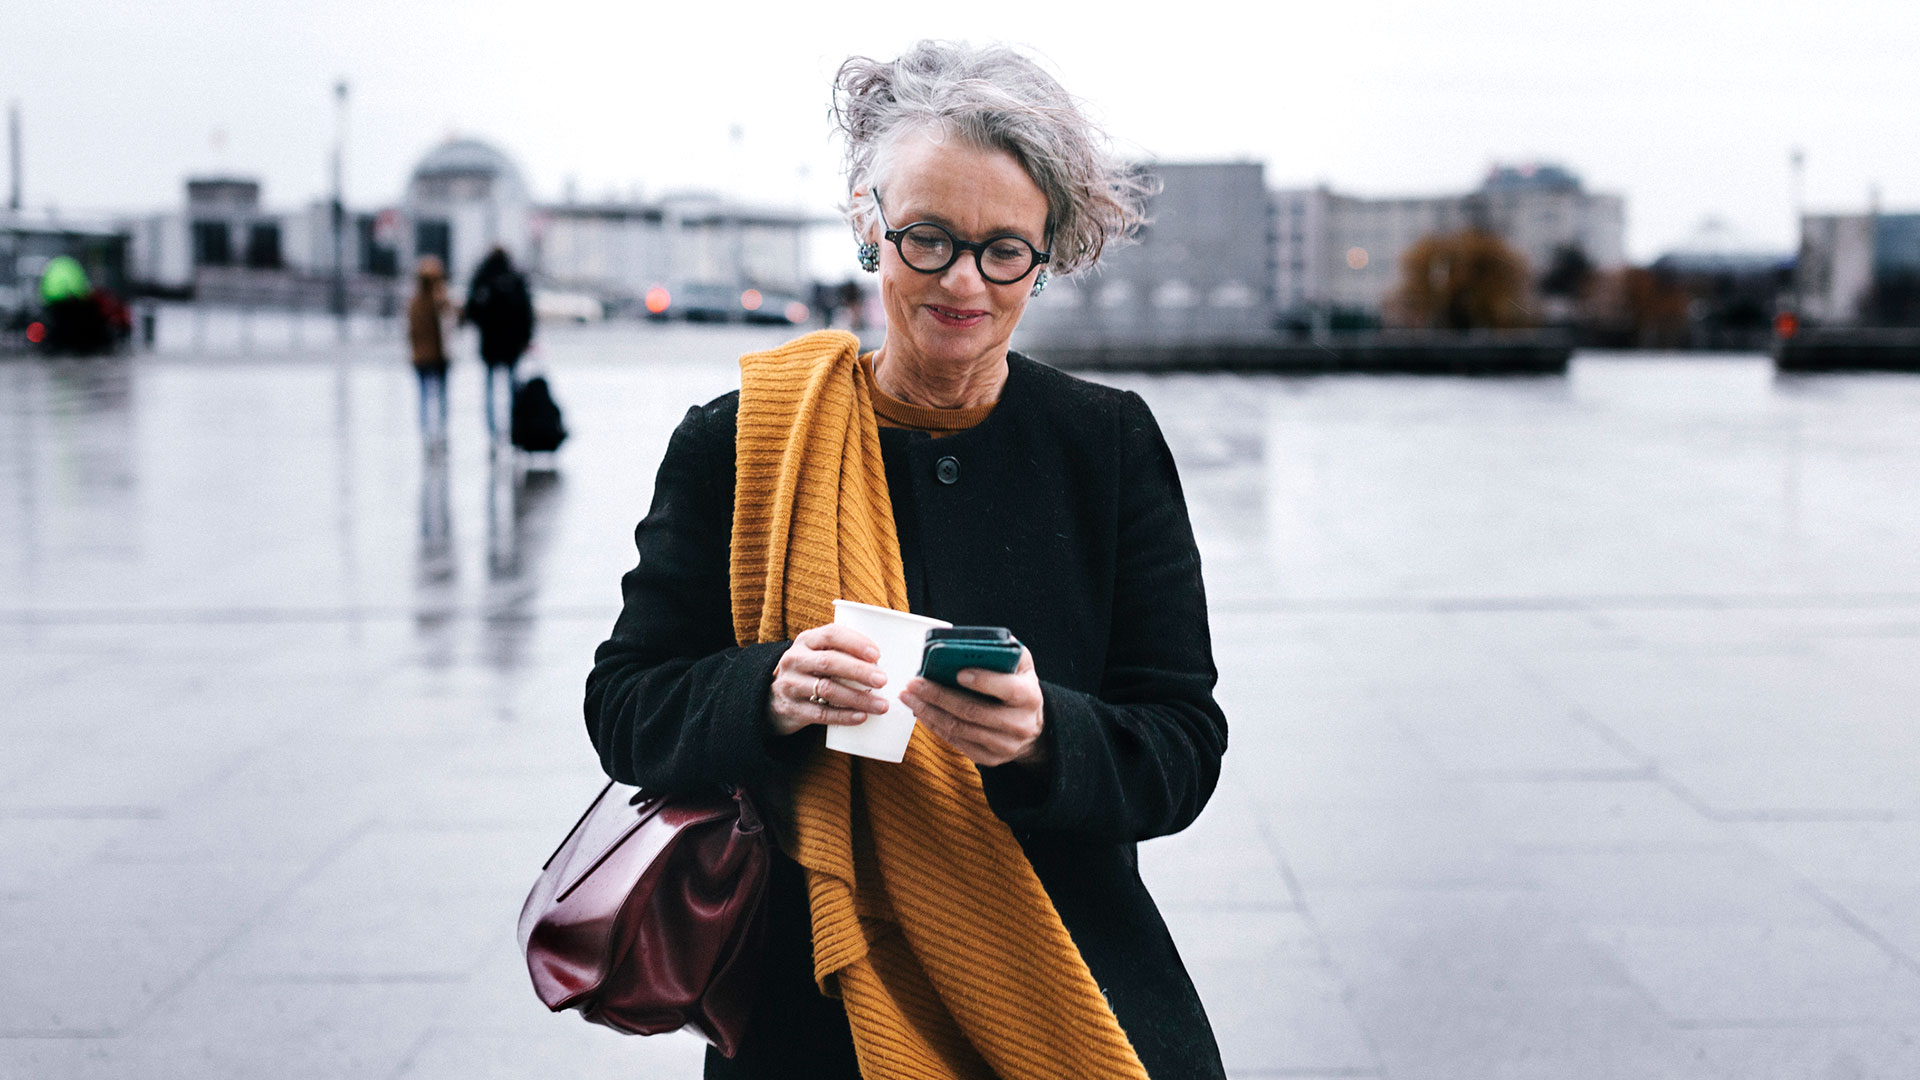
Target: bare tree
pixel 1466 280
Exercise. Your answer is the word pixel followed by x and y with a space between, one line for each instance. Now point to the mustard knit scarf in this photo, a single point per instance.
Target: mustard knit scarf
pixel 928 921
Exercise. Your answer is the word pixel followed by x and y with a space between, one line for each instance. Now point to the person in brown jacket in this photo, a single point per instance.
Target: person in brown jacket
pixel 426 331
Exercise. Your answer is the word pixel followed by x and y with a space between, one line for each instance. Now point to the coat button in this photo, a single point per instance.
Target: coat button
pixel 948 470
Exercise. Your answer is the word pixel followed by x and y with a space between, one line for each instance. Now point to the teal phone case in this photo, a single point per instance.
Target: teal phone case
pixel 943 659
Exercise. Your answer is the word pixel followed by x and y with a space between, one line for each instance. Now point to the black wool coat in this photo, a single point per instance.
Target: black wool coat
pixel 1061 517
pixel 501 306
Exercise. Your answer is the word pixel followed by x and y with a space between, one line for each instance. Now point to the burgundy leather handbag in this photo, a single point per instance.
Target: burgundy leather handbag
pixel 648 917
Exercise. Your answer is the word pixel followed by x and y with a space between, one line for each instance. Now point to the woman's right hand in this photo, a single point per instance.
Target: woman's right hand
pixel 823 678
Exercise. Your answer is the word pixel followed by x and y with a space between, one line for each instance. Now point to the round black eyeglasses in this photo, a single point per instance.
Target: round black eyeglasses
pixel 931 248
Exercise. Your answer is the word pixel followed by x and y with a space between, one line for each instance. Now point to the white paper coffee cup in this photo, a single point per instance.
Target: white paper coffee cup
pixel 901 636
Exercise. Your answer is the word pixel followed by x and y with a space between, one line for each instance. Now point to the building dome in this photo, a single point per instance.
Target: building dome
pixel 467 158
pixel 1716 246
pixel 465 198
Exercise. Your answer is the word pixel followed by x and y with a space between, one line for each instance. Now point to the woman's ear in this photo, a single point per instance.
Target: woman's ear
pixel 869 233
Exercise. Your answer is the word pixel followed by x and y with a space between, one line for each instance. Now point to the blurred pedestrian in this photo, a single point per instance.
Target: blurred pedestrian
pixel 426 332
pixel 854 299
pixel 501 307
pixel 826 301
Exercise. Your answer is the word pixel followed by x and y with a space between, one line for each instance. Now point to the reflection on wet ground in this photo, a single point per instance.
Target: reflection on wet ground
pixel 1573 718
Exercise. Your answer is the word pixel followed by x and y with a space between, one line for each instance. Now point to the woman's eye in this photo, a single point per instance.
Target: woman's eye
pixel 1007 251
pixel 927 241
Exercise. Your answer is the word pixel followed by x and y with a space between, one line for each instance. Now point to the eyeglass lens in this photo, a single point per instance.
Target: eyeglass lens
pixel 929 248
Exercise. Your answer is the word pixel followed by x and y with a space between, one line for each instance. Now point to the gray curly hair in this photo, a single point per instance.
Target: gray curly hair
pixel 995 98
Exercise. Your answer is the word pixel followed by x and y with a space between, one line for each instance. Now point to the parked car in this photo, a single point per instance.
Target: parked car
pixel 554 306
pixel 774 307
pixel 722 303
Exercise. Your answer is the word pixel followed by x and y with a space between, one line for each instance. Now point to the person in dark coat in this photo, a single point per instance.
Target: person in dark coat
pixel 1022 497
pixel 500 306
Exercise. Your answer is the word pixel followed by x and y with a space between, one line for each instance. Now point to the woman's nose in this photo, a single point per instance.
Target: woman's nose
pixel 963 275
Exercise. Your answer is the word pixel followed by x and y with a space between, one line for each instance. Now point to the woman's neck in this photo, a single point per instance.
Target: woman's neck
pixel 940 387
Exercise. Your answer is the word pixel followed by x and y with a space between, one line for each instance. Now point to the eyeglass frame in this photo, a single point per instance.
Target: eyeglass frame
pixel 960 247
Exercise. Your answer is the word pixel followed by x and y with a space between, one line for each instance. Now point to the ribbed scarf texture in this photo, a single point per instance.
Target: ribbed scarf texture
pixel 928 921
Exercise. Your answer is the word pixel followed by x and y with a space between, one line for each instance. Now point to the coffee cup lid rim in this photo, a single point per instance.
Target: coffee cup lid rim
pixel 858 606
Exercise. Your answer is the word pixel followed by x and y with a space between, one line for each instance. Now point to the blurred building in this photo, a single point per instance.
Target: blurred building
pixel 617 251
pixel 1732 286
pixel 463 198
pixel 1338 256
pixel 226 246
pixel 1202 269
pixel 1859 269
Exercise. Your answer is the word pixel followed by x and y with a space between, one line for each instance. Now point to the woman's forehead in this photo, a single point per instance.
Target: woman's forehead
pixel 958 184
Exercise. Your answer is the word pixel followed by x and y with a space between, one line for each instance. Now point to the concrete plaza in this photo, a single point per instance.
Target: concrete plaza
pixel 1574 719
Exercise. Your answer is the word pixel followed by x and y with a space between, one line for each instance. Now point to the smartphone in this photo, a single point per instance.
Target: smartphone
pixel 951 648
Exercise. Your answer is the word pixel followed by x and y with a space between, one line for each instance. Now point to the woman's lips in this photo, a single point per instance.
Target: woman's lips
pixel 947 316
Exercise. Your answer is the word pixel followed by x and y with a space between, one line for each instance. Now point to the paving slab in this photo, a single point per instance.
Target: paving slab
pixel 1572 724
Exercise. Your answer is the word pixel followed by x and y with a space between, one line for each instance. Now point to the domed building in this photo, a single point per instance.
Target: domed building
pixel 463 198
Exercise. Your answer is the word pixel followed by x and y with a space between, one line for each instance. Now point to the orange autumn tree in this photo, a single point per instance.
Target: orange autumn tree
pixel 1466 280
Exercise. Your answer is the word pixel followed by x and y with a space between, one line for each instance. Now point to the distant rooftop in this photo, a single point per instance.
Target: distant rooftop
pixel 1718 245
pixel 48 222
pixel 466 157
pixel 1539 176
pixel 240 192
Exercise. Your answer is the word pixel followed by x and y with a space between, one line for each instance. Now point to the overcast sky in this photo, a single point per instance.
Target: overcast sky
pixel 1686 109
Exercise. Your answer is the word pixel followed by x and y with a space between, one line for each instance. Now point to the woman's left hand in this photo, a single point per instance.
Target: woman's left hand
pixel 998 718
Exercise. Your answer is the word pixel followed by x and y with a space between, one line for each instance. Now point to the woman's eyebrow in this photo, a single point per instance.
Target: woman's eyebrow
pixel 987 235
pixel 943 222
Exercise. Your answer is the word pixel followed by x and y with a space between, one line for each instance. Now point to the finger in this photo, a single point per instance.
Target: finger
pixel 796 711
pixel 971 721
pixel 837 716
pixel 806 689
pixel 1017 688
pixel 979 744
pixel 842 658
pixel 793 716
pixel 838 665
pixel 844 696
pixel 812 664
pixel 962 704
pixel 834 637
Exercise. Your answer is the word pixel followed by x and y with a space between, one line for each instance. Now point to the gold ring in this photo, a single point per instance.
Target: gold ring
pixel 818 684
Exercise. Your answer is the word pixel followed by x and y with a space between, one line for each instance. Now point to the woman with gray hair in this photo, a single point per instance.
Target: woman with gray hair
pixel 974 910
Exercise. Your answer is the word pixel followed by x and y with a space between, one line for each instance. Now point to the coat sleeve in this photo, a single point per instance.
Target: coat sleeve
pixel 1140 757
pixel 672 704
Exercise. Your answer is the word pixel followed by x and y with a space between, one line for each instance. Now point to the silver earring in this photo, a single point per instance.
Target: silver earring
pixel 1039 282
pixel 869 255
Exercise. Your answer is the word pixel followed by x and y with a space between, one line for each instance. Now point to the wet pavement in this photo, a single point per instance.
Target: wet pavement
pixel 1573 719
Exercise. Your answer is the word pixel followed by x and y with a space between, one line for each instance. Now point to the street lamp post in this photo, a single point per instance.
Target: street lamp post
pixel 1797 161
pixel 13 157
pixel 339 214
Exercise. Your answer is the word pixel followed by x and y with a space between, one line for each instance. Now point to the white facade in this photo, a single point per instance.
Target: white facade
pixel 464 198
pixel 1834 275
pixel 161 249
pixel 170 248
pixel 619 251
pixel 608 251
